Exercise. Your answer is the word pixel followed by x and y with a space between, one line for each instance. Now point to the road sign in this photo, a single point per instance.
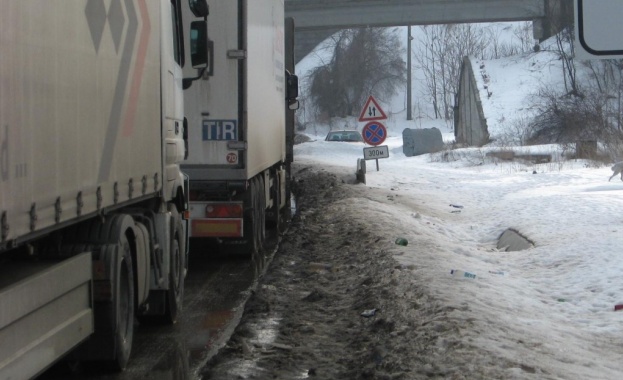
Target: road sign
pixel 374 133
pixel 376 152
pixel 372 111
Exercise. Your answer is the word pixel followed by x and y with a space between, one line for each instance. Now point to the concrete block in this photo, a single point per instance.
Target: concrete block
pixel 421 141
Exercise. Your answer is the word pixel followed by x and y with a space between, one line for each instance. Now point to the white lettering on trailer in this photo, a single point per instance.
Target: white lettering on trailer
pixel 219 130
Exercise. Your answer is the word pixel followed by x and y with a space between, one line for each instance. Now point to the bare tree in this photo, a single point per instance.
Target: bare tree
pixel 606 77
pixel 427 62
pixel 444 47
pixel 365 62
pixel 524 35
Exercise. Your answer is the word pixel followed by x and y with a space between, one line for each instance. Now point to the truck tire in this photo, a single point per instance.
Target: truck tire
pixel 261 195
pixel 123 316
pixel 113 290
pixel 249 225
pixel 275 219
pixel 175 294
pixel 111 343
pixel 254 221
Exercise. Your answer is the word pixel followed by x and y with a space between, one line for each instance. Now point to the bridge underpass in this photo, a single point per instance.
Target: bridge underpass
pixel 315 20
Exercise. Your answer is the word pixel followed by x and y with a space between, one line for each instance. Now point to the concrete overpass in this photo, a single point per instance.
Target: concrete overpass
pixel 317 19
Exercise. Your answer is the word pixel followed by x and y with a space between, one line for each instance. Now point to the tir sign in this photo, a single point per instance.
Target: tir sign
pixel 223 130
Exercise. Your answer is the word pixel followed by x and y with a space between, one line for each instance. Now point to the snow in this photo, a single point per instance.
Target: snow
pixel 552 304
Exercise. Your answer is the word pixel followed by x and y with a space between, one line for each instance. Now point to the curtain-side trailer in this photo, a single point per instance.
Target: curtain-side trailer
pixel 91 191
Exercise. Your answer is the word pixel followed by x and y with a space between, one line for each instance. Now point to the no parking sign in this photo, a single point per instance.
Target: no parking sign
pixel 374 133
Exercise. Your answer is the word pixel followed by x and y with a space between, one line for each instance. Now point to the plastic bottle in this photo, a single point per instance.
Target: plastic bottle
pixel 402 241
pixel 460 273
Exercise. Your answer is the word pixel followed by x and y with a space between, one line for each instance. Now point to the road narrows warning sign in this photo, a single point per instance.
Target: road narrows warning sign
pixel 372 111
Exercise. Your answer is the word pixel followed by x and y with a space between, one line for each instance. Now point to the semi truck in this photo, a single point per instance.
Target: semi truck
pixel 92 133
pixel 241 126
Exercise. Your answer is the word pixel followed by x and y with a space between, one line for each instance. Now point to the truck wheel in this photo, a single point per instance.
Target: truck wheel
pixel 275 212
pixel 113 290
pixel 259 213
pixel 125 305
pixel 262 211
pixel 175 294
pixel 259 216
pixel 114 319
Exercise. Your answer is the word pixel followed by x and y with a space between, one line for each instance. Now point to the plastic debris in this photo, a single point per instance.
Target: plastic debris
pixel 369 313
pixel 618 307
pixel 460 273
pixel 402 241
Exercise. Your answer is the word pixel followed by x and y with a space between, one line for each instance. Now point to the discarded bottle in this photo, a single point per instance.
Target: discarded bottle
pixel 460 273
pixel 402 241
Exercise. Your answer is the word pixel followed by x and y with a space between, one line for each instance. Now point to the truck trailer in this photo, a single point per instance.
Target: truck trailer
pixel 241 126
pixel 91 191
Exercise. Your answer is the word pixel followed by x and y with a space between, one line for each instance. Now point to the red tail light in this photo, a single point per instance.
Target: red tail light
pixel 224 210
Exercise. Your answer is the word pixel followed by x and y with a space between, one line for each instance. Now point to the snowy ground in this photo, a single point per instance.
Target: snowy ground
pixel 542 313
pixel 553 306
pixel 548 312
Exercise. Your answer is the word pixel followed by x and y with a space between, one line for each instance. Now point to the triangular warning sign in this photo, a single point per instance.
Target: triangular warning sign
pixel 372 111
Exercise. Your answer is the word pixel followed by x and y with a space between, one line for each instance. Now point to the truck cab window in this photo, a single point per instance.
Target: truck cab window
pixel 178 36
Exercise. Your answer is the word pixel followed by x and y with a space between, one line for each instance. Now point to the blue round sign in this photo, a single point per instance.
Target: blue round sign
pixel 374 133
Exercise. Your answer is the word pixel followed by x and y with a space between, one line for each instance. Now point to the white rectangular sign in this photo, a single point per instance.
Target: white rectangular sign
pixel 598 29
pixel 375 152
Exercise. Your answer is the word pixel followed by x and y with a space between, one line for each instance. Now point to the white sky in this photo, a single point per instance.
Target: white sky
pixel 553 308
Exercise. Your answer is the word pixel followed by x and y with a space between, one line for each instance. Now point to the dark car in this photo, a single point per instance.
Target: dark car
pixel 347 136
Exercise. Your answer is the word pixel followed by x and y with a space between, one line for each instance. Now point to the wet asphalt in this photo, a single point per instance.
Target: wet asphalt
pixel 216 289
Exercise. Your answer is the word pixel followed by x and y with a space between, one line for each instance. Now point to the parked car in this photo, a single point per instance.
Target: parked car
pixel 347 136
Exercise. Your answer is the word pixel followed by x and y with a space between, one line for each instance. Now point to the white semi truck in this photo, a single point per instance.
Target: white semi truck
pixel 241 125
pixel 91 191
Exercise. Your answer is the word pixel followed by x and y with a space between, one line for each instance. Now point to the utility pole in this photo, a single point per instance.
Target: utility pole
pixel 409 38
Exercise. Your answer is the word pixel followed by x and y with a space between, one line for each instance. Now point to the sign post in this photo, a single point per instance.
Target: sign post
pixel 374 133
pixel 376 152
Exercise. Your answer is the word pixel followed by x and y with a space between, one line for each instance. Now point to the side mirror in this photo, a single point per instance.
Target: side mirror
pixel 199 8
pixel 292 86
pixel 293 105
pixel 199 44
pixel 292 91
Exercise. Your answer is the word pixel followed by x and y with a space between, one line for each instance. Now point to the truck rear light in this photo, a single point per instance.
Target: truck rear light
pixel 224 210
pixel 216 228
